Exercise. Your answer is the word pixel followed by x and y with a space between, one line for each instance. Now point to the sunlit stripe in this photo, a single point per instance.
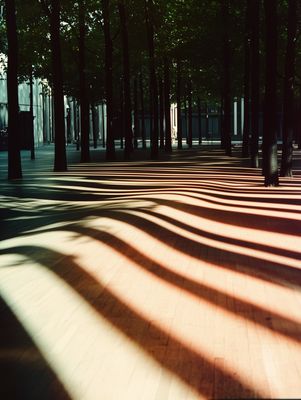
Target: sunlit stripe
pixel 60 323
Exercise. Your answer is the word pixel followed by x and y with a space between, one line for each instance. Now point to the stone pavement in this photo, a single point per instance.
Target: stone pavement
pixel 149 280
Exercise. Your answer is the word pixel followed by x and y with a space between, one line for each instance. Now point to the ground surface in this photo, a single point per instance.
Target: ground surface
pixel 149 280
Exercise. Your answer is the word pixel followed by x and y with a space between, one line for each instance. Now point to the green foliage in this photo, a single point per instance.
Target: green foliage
pixel 189 31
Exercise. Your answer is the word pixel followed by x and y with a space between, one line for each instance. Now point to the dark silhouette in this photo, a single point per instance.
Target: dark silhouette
pixel 14 158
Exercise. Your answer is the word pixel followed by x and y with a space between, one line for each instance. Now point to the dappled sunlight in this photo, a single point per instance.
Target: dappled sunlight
pixel 157 280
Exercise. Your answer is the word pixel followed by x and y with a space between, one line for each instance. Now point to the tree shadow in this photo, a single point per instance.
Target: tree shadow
pixel 169 352
pixel 25 374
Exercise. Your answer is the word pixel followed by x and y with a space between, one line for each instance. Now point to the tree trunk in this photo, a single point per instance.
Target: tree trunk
pixel 254 82
pixel 153 80
pixel 32 152
pixel 136 121
pixel 14 158
pixel 246 127
pixel 161 112
pixel 200 120
pixel 168 147
pixel 207 122
pixel 84 104
pixel 94 125
pixel 186 117
pixel 110 149
pixel 288 98
pixel 128 134
pixel 179 114
pixel 60 160
pixel 103 128
pixel 121 114
pixel 142 112
pixel 226 78
pixel 189 114
pixel 270 134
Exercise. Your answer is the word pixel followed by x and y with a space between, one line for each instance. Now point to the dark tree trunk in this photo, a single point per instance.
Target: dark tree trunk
pixel 84 104
pixel 121 114
pixel 110 149
pixel 94 126
pixel 60 161
pixel 200 120
pixel 221 122
pixel 14 158
pixel 254 82
pixel 189 114
pixel 153 80
pixel 270 124
pixel 128 134
pixel 32 150
pixel 75 121
pixel 179 114
pixel 298 122
pixel 246 127
pixel 142 112
pixel 168 147
pixel 161 112
pixel 207 121
pixel 226 78
pixel 288 98
pixel 103 128
pixel 186 117
pixel 136 120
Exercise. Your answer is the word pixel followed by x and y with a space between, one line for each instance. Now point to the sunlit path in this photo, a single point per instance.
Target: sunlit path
pixel 150 280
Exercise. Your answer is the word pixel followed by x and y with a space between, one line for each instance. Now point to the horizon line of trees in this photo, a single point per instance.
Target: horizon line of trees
pixel 139 55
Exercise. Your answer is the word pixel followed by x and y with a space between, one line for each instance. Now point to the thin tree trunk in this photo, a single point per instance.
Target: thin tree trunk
pixel 121 114
pixel 142 112
pixel 161 112
pixel 226 78
pixel 136 121
pixel 126 79
pixel 207 121
pixel 168 146
pixel 14 158
pixel 110 149
pixel 189 114
pixel 94 126
pixel 179 114
pixel 254 82
pixel 246 127
pixel 103 128
pixel 60 160
pixel 270 134
pixel 186 117
pixel 32 152
pixel 153 80
pixel 288 100
pixel 84 104
pixel 200 120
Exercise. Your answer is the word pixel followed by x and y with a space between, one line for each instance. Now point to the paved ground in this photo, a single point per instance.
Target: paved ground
pixel 149 280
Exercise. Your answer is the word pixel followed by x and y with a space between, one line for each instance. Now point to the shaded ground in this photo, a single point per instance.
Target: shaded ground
pixel 175 279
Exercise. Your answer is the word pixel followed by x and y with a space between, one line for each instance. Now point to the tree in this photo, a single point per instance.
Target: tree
pixel 60 160
pixel 126 81
pixel 110 149
pixel 246 127
pixel 14 158
pixel 179 101
pixel 152 78
pixel 288 97
pixel 168 147
pixel 84 104
pixel 254 82
pixel 270 163
pixel 226 79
